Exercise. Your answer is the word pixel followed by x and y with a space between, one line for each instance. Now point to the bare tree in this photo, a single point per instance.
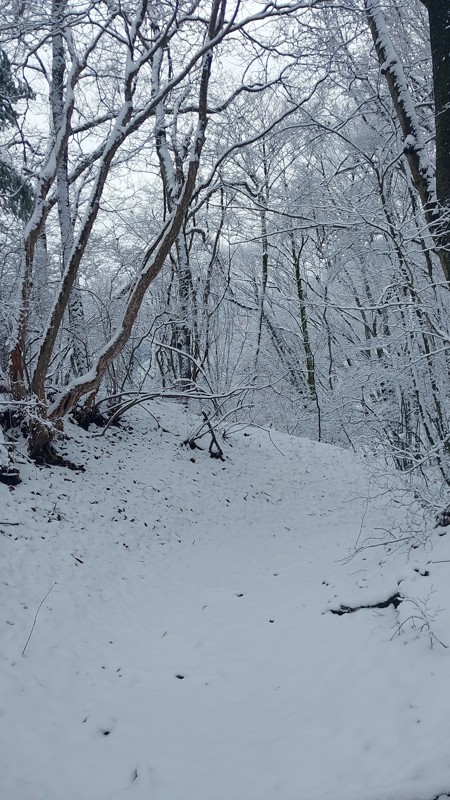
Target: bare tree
pixel 152 53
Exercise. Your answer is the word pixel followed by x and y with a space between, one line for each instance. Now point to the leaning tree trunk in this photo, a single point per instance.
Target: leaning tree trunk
pixel 155 257
pixel 433 190
pixel 439 17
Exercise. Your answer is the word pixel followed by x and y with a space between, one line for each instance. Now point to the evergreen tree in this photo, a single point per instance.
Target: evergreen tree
pixel 16 195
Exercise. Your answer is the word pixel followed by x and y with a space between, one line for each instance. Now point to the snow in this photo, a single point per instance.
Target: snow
pixel 186 649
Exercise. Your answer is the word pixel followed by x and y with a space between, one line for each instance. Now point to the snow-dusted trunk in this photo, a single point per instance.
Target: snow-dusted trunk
pixel 40 294
pixel 264 279
pixel 185 336
pixel 185 327
pixel 422 171
pixel 263 200
pixel 18 373
pixel 439 17
pixel 304 322
pixel 77 327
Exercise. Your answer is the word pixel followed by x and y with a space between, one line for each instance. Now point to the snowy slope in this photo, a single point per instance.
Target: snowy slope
pixel 187 649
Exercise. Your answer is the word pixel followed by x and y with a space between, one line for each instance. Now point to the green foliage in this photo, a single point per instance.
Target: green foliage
pixel 16 195
pixel 11 91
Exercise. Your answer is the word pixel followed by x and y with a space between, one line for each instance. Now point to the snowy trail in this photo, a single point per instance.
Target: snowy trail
pixel 187 651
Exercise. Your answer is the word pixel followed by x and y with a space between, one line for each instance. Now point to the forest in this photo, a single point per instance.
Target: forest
pixel 242 206
pixel 224 399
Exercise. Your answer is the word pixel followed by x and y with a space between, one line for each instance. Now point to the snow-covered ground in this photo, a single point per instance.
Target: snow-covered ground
pixel 187 649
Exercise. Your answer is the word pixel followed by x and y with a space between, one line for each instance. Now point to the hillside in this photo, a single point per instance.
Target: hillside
pixel 187 649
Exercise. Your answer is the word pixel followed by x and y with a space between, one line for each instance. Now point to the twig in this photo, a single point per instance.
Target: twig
pixel 425 625
pixel 267 430
pixel 36 616
pixel 10 523
pixel 275 446
pixel 358 550
pixel 363 517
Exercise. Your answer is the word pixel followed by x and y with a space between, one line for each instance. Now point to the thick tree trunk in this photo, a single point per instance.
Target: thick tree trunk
pixel 185 328
pixel 433 190
pixel 439 17
pixel 263 200
pixel 77 327
pixel 304 322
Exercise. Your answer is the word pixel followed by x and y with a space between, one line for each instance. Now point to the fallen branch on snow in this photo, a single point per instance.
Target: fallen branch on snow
pixel 394 601
pixel 36 616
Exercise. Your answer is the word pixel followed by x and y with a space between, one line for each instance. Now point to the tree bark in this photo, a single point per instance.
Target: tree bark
pixel 434 192
pixel 439 18
pixel 77 327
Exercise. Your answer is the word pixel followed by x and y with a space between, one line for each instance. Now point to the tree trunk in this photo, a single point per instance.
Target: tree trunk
pixel 435 201
pixel 77 327
pixel 439 17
